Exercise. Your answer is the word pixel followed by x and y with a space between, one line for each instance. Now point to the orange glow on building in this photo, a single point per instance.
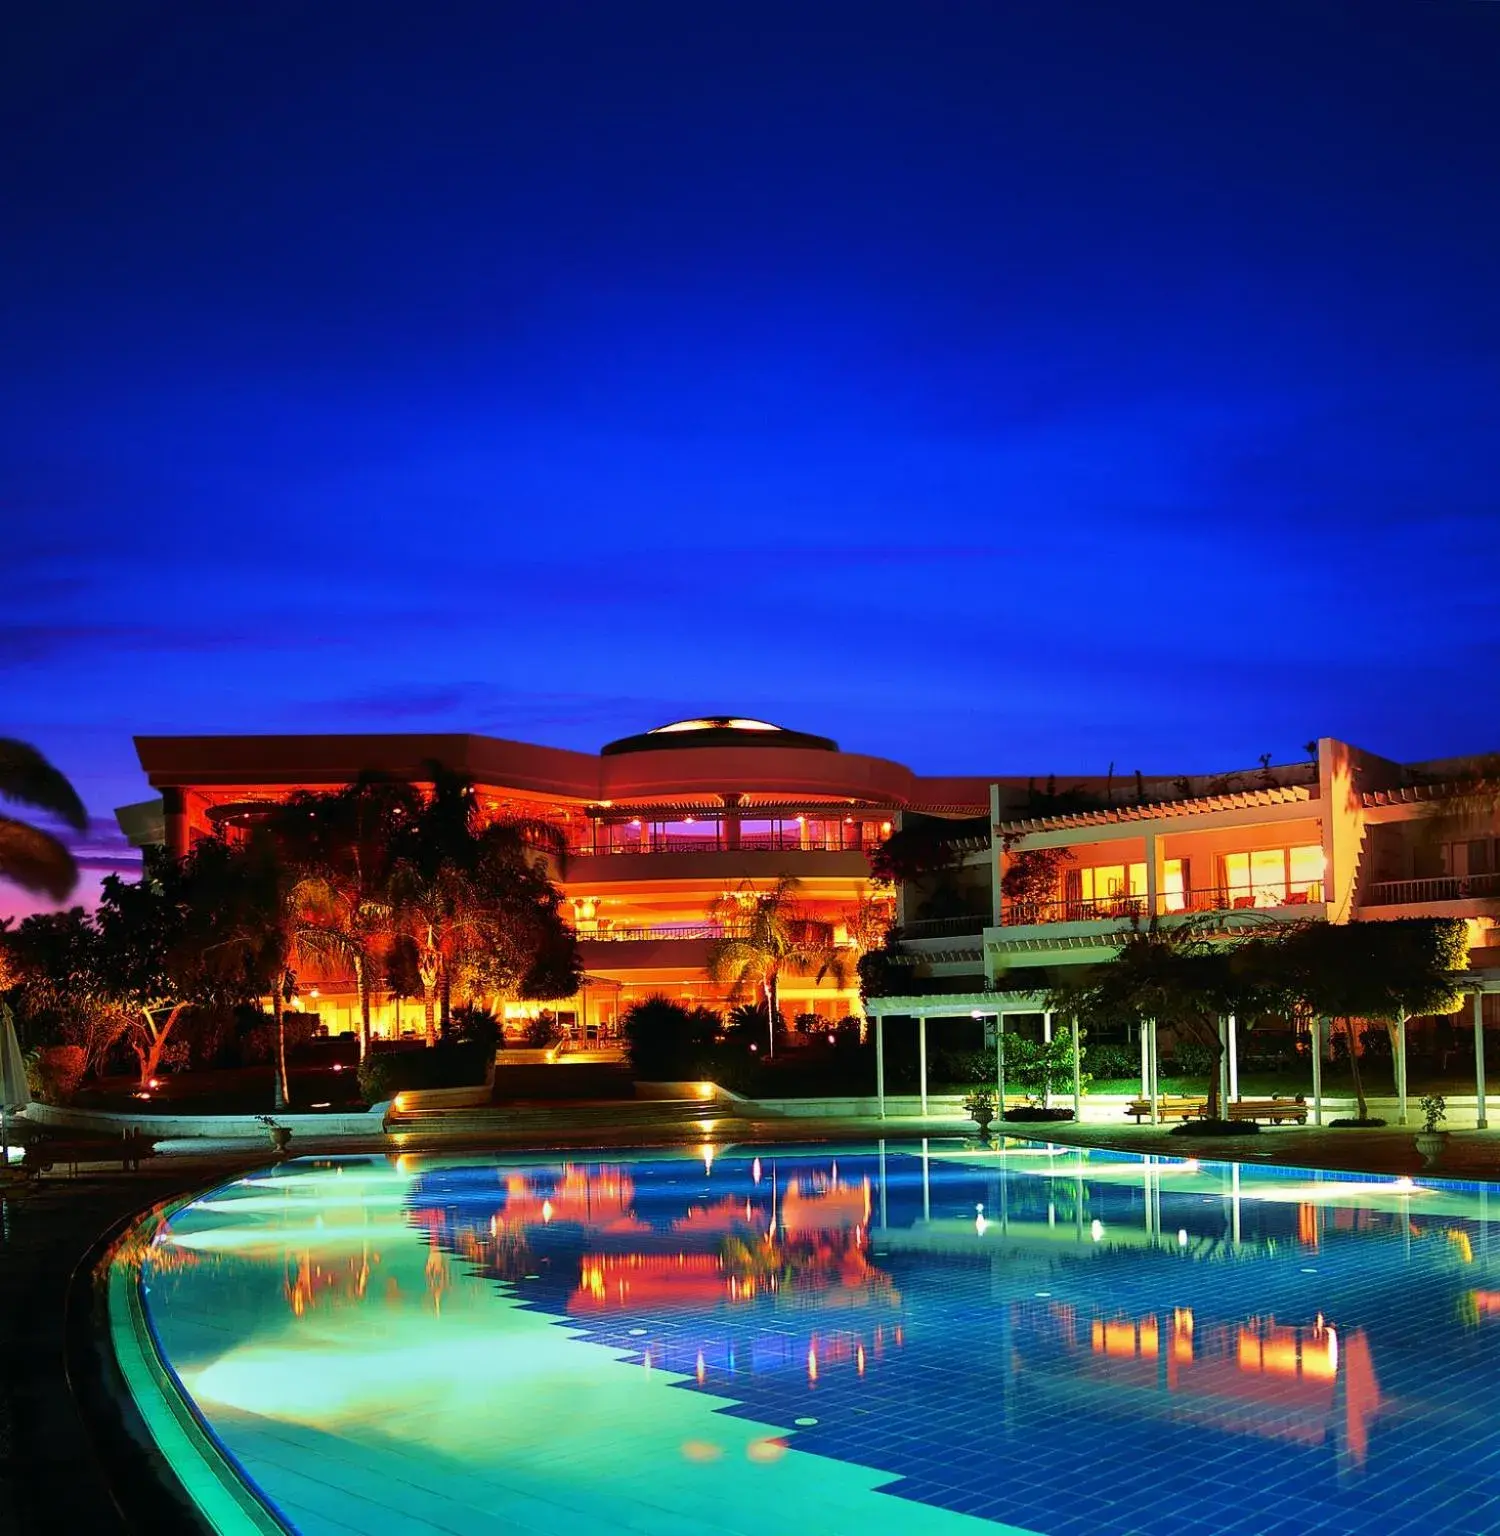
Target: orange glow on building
pixel 655 828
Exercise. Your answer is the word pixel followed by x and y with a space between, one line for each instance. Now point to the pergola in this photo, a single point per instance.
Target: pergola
pixel 1000 1005
pixel 962 1005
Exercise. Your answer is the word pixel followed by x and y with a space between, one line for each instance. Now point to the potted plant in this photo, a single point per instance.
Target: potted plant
pixel 281 1135
pixel 980 1108
pixel 1431 1142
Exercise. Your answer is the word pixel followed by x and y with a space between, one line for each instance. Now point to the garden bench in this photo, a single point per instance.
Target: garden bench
pixel 1169 1106
pixel 48 1152
pixel 1274 1110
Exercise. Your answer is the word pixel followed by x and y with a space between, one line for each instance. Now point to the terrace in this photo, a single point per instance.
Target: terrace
pixel 681 833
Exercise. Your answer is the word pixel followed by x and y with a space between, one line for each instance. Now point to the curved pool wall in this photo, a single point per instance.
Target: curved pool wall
pixel 205 1473
pixel 917 1337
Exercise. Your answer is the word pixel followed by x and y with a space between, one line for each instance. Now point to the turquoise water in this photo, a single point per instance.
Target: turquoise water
pixel 915 1337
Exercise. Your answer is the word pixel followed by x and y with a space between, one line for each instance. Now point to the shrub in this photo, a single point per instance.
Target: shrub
pixel 1033 1113
pixel 543 1031
pixel 1370 1122
pixel 963 1067
pixel 476 1026
pixel 1215 1128
pixel 383 1074
pixel 667 1041
pixel 55 1072
pixel 258 1043
pixel 1192 1059
pixel 807 1024
pixel 1113 1061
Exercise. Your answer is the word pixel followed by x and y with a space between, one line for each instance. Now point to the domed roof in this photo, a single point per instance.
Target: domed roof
pixel 718 731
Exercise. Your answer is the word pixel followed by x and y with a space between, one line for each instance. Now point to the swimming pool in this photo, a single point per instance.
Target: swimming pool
pixel 916 1337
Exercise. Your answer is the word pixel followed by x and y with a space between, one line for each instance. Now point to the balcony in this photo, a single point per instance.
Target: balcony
pixel 710 842
pixel 1415 893
pixel 965 926
pixel 1270 900
pixel 650 933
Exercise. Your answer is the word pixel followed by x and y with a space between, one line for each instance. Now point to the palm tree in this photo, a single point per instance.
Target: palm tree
pixel 343 846
pixel 33 859
pixel 473 906
pixel 765 935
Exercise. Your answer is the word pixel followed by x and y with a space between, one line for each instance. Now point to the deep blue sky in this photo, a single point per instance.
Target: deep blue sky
pixel 1021 386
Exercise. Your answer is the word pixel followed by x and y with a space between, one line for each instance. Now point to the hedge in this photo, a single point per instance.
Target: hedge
pixel 384 1074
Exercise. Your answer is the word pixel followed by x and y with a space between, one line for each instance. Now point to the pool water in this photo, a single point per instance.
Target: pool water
pixel 917 1337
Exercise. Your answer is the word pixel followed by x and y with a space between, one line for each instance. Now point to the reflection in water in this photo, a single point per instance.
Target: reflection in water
pixel 953 1314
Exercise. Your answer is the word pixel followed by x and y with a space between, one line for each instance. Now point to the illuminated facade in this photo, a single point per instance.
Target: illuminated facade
pixel 656 827
pixel 1343 837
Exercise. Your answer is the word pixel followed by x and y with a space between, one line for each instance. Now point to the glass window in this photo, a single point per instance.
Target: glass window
pixel 1268 875
pixel 1173 886
pixel 1272 877
pixel 1305 872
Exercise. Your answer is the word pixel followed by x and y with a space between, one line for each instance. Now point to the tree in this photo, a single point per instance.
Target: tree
pixel 50 963
pixel 764 935
pixel 1038 1067
pixel 141 929
pixel 29 857
pixel 1181 975
pixel 924 856
pixel 1030 880
pixel 1378 970
pixel 473 906
pixel 207 929
pixel 343 846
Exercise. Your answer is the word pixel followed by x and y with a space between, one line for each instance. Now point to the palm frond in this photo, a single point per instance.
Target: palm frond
pixel 27 778
pixel 35 860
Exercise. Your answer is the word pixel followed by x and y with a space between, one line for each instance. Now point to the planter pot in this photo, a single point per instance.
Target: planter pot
pixel 983 1122
pixel 281 1136
pixel 1432 1145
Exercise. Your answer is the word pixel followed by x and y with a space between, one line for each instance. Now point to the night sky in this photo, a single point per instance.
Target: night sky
pixel 1011 387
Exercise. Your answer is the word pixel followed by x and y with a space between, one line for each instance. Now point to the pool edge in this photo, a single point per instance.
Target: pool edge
pixel 190 1470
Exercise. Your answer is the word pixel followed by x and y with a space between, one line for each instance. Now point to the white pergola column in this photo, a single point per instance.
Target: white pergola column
pixel 922 1062
pixel 1077 1088
pixel 1400 1066
pixel 1145 1063
pixel 1155 1091
pixel 1482 1120
pixel 1224 1099
pixel 1234 1057
pixel 1317 1065
pixel 1047 1039
pixel 1000 1067
pixel 1153 875
pixel 880 1071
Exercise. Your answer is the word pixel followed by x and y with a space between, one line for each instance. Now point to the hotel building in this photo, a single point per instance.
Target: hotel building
pixel 657 825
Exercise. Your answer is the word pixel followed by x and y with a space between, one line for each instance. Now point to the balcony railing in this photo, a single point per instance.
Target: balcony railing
pixel 1401 893
pixel 1217 898
pixel 651 931
pixel 749 842
pixel 945 927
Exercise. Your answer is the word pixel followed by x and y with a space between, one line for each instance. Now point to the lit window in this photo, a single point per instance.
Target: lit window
pixel 1173 886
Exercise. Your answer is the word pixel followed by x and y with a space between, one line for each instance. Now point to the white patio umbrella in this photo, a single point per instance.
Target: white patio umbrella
pixel 14 1091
